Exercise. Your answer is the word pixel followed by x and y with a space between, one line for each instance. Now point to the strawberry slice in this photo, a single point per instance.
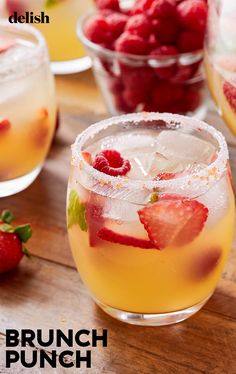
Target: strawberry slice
pixel 205 263
pixel 114 237
pixel 230 94
pixel 87 157
pixel 6 43
pixel 230 175
pixel 173 221
pixel 167 176
pixel 94 217
pixel 5 125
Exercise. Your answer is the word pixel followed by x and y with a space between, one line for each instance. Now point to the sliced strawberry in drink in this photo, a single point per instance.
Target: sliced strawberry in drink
pixel 114 237
pixel 94 217
pixel 230 175
pixel 175 221
pixel 6 43
pixel 5 125
pixel 87 157
pixel 230 94
pixel 204 264
pixel 167 176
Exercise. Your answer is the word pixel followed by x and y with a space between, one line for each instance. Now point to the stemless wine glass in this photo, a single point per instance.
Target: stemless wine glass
pixel 66 52
pixel 27 106
pixel 220 58
pixel 150 227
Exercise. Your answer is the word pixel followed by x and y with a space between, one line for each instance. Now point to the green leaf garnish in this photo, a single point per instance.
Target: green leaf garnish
pixel 24 232
pixel 7 216
pixel 153 198
pixel 76 212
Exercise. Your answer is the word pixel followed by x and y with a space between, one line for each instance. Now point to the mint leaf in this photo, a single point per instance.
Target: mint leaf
pixel 24 232
pixel 7 216
pixel 76 212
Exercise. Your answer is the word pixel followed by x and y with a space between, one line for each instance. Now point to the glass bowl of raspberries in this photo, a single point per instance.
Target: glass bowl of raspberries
pixel 147 54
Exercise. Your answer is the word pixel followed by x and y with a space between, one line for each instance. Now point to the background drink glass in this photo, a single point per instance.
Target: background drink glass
pixel 65 50
pixel 125 272
pixel 27 106
pixel 220 58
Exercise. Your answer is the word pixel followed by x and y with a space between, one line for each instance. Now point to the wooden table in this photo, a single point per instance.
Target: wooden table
pixel 47 292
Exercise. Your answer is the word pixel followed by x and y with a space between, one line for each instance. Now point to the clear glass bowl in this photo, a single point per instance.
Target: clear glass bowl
pixel 131 83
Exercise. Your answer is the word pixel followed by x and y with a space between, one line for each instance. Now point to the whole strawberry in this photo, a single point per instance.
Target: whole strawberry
pixel 12 238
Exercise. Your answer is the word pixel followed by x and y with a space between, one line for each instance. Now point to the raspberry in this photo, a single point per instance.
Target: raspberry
pixel 5 125
pixel 139 25
pixel 97 30
pixel 141 6
pixel 153 42
pixel 110 162
pixel 121 105
pixel 192 100
pixel 189 41
pixel 115 85
pixel 134 97
pixel 136 78
pixel 167 71
pixel 185 72
pixel 162 9
pixel 108 4
pixel 192 15
pixel 133 44
pixel 117 22
pixel 166 30
pixel 166 93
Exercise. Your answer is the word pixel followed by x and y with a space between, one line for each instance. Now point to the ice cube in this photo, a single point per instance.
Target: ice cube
pixel 217 201
pixel 130 143
pixel 182 146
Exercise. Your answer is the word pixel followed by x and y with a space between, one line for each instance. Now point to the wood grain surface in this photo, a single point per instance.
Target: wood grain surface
pixel 46 292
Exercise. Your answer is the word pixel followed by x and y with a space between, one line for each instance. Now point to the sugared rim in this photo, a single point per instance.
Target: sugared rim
pixel 211 172
pixel 37 54
pixel 184 58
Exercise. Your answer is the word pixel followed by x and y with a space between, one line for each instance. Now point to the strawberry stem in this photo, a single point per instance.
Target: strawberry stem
pixel 7 216
pixel 24 232
pixel 5 227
